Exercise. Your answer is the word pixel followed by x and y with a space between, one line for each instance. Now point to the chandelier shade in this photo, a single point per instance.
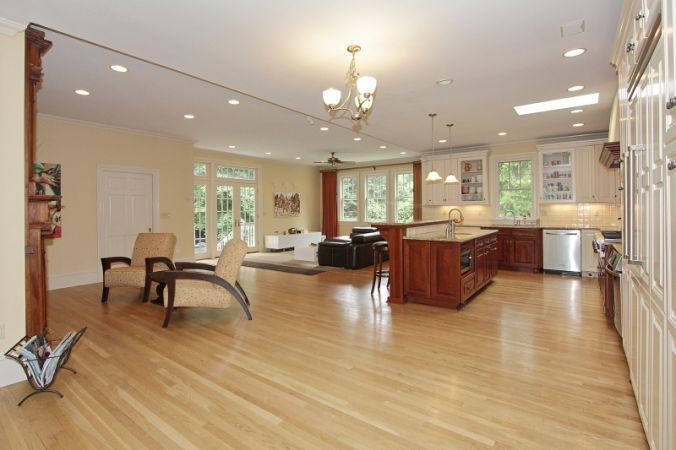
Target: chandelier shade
pixel 362 88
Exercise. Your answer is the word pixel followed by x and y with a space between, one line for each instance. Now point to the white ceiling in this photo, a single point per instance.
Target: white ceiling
pixel 499 53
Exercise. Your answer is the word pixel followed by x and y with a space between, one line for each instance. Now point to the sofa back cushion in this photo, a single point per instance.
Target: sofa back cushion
pixel 367 237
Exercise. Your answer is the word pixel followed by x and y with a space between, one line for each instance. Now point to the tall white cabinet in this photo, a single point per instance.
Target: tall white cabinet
pixel 644 59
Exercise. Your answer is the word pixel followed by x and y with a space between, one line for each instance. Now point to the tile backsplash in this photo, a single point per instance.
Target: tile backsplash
pixel 583 215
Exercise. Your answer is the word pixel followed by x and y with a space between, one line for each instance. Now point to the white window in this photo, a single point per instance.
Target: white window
pixel 348 198
pixel 199 195
pixel 376 198
pixel 403 197
pixel 515 187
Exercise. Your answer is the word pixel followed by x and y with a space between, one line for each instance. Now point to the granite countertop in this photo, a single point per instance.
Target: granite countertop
pixel 462 234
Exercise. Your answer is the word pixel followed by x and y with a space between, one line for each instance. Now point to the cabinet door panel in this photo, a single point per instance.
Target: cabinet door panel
pixel 656 369
pixel 524 252
pixel 443 282
pixel 671 390
pixel 417 267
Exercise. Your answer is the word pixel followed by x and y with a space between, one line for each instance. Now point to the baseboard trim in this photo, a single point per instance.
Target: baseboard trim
pixel 71 279
pixel 10 372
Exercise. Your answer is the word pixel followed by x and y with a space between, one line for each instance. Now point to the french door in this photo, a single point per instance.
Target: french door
pixel 235 214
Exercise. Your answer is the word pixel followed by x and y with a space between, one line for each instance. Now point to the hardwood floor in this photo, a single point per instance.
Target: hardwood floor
pixel 529 364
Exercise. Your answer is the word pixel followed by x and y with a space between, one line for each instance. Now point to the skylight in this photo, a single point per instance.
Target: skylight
pixel 561 103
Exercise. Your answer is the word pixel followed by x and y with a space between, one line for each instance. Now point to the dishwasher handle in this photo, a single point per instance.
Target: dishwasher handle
pixel 561 234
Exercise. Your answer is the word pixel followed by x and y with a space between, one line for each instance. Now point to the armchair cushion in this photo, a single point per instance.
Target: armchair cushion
pixel 198 293
pixel 129 276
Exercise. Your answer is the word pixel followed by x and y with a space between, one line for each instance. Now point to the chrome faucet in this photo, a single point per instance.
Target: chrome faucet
pixel 450 228
pixel 513 215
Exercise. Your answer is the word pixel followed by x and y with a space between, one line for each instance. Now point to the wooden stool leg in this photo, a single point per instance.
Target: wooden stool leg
pixel 375 268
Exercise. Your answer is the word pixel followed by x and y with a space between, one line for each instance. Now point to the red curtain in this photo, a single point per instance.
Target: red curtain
pixel 329 204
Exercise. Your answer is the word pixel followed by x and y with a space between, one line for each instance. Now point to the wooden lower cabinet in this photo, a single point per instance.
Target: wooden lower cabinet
pixel 433 274
pixel 519 248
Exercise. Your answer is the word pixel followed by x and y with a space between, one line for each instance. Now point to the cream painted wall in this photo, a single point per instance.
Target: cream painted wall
pixel 81 149
pixel 279 177
pixel 12 259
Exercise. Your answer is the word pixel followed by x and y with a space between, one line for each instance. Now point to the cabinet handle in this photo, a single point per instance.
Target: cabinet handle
pixel 641 15
pixel 671 165
pixel 671 103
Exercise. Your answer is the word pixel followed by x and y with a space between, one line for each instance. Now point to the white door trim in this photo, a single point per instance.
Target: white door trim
pixel 100 207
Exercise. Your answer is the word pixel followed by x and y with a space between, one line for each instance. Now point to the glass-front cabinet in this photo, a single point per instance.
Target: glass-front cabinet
pixel 557 183
pixel 473 178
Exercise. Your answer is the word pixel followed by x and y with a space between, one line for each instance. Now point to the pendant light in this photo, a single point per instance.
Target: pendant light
pixel 450 179
pixel 433 176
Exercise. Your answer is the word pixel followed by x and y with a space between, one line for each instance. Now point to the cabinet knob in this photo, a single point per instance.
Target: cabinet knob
pixel 671 103
pixel 641 15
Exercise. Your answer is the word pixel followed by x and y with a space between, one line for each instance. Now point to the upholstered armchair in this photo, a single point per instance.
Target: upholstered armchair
pixel 203 285
pixel 133 273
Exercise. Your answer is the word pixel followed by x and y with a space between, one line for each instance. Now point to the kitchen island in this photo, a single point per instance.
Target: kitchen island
pixel 432 231
pixel 448 271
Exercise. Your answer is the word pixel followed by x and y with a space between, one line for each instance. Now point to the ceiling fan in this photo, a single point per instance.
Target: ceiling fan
pixel 333 160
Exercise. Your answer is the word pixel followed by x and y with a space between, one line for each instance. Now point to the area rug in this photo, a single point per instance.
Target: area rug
pixel 280 262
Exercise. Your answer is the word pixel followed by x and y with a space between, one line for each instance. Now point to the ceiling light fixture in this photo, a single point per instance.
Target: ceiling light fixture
pixel 297 157
pixel 575 88
pixel 561 103
pixel 233 101
pixel 119 68
pixel 232 146
pixel 502 133
pixel 442 141
pixel 268 153
pixel 383 146
pixel 580 124
pixel 445 81
pixel 324 129
pixel 363 89
pixel 572 53
pixel 402 153
pixel 433 176
pixel 576 111
pixel 81 92
pixel 450 178
pixel 356 139
pixel 188 116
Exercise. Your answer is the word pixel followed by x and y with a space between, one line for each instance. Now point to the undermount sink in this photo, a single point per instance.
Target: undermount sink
pixel 509 225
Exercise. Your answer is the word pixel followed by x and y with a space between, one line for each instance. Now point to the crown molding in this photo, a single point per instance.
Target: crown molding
pixel 114 128
pixel 10 28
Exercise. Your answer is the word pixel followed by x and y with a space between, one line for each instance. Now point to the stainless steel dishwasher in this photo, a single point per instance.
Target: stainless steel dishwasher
pixel 561 251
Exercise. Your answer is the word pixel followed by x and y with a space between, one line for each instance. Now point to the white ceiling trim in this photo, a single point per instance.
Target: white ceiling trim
pixel 10 28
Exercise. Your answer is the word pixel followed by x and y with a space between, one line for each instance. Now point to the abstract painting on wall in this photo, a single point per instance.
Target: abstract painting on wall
pixel 287 204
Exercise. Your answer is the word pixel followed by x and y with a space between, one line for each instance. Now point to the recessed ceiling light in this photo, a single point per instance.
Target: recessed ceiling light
pixel 356 139
pixel 297 157
pixel 81 92
pixel 502 133
pixel 576 111
pixel 233 101
pixel 578 124
pixel 402 153
pixel 383 146
pixel 574 52
pixel 442 141
pixel 561 103
pixel 324 129
pixel 232 146
pixel 119 68
pixel 188 116
pixel 444 81
pixel 575 88
pixel 268 153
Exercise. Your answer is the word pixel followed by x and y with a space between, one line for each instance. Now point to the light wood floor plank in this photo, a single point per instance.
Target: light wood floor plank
pixel 531 363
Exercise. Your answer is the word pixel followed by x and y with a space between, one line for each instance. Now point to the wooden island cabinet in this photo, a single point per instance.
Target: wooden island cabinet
pixel 448 272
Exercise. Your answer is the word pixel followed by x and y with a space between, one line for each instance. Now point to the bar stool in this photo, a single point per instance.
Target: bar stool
pixel 380 249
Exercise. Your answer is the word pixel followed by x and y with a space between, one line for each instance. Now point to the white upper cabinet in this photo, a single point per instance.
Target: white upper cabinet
pixel 473 177
pixel 439 193
pixel 557 176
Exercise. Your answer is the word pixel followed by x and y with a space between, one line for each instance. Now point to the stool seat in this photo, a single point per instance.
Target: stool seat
pixel 380 250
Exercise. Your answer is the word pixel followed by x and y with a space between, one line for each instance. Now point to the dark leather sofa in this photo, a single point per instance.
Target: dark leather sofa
pixel 351 252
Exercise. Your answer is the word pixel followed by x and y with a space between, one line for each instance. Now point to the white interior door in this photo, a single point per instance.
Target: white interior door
pixel 126 204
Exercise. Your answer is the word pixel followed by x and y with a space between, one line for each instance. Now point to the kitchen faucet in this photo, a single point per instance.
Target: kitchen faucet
pixel 513 215
pixel 450 228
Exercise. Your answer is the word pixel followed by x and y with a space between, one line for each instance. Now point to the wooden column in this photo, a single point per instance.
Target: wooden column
pixel 37 210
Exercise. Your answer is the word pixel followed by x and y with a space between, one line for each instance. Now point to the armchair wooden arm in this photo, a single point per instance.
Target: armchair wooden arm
pixel 195 265
pixel 150 268
pixel 169 278
pixel 106 263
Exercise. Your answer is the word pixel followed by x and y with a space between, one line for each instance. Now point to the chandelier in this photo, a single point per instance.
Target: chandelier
pixel 361 88
pixel 450 178
pixel 433 176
